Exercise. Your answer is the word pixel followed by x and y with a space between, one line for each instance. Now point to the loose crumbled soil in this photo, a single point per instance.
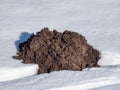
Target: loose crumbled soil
pixel 54 51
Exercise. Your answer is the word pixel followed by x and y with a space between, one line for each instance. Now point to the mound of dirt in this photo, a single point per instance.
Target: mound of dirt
pixel 54 51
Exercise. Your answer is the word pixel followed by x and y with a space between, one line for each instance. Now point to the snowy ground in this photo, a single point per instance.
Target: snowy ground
pixel 98 20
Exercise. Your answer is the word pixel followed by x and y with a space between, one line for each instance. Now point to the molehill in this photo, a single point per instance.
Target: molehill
pixel 54 51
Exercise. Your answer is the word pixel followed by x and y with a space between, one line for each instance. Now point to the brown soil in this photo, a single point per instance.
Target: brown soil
pixel 54 51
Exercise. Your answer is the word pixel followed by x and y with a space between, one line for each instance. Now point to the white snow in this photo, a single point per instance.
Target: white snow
pixel 97 20
pixel 66 80
pixel 8 73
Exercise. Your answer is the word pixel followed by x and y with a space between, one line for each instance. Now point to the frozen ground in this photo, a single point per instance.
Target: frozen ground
pixel 98 20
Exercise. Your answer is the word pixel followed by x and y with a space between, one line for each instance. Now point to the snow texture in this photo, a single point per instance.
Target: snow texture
pixel 97 20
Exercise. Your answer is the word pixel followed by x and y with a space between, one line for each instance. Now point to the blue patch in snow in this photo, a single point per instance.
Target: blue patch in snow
pixel 22 38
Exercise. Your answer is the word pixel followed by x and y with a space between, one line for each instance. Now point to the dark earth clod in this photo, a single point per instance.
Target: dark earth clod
pixel 54 51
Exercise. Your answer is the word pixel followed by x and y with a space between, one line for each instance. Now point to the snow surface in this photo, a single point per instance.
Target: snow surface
pixel 97 20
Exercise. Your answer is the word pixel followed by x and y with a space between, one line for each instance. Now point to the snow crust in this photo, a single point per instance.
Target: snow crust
pixel 97 20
